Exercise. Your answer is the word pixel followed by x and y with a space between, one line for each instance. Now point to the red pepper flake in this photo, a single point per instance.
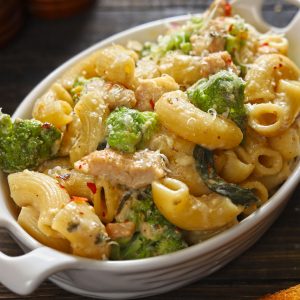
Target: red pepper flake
pixel 228 61
pixel 103 214
pixel 79 199
pixel 92 187
pixel 46 125
pixel 264 44
pixel 80 167
pixel 227 9
pixel 152 103
pixel 61 186
pixel 280 66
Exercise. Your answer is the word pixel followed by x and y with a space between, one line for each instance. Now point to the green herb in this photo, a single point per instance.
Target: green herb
pixel 206 169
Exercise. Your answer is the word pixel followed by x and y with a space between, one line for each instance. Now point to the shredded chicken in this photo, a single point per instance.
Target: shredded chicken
pixel 133 170
pixel 211 39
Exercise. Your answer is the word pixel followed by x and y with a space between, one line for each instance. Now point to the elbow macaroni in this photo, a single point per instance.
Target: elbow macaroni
pixel 174 201
pixel 178 115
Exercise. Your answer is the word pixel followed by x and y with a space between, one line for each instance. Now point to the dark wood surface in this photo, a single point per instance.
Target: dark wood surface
pixel 271 264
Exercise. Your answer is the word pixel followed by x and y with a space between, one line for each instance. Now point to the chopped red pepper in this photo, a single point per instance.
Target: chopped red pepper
pixel 152 103
pixel 264 44
pixel 228 61
pixel 92 187
pixel 227 9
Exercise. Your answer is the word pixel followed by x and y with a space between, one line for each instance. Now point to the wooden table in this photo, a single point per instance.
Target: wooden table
pixel 271 264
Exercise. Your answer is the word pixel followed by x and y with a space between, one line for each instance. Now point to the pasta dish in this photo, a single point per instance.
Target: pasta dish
pixel 144 149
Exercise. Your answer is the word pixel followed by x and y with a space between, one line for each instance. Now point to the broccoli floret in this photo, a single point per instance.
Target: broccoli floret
pixel 179 40
pixel 154 234
pixel 128 129
pixel 237 36
pixel 223 92
pixel 24 144
pixel 235 41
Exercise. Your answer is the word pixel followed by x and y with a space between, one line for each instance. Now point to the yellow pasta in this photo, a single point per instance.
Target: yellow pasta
pixel 177 114
pixel 174 201
pixel 117 64
pixel 270 119
pixel 266 161
pixel 85 67
pixel 43 193
pixel 260 191
pixel 75 183
pixel 51 109
pixel 287 143
pixel 273 181
pixel 107 200
pixel 277 43
pixel 79 224
pixel 266 118
pixel 28 219
pixel 262 79
pixel 92 112
pixel 234 170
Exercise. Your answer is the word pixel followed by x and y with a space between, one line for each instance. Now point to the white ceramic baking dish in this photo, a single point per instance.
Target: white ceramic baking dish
pixel 138 278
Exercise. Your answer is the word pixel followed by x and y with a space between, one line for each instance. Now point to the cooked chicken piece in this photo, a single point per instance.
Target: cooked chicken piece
pixel 186 69
pixel 211 39
pixel 150 90
pixel 133 170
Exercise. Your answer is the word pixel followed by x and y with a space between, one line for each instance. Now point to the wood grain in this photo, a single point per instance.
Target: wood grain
pixel 273 263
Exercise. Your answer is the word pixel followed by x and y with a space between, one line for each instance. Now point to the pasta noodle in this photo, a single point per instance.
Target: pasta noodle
pixel 177 114
pixel 42 193
pixel 78 223
pixel 92 112
pixel 188 212
pixel 28 219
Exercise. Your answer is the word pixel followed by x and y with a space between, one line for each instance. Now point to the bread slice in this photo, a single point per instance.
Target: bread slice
pixel 292 293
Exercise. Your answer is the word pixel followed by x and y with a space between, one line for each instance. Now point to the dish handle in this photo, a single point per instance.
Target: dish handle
pixel 23 274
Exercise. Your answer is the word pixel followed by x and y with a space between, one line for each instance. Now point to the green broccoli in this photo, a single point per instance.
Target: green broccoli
pixel 128 128
pixel 179 40
pixel 25 143
pixel 223 92
pixel 77 88
pixel 154 234
pixel 235 40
